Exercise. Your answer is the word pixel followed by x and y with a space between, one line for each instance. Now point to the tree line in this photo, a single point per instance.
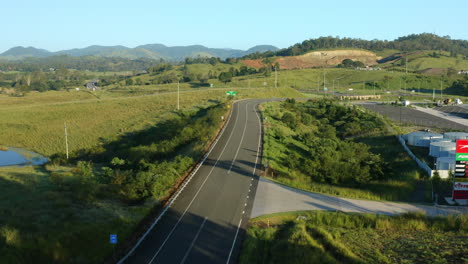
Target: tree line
pixel 413 42
pixel 90 63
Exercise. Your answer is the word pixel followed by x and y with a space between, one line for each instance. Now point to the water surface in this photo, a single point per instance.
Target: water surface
pixel 22 157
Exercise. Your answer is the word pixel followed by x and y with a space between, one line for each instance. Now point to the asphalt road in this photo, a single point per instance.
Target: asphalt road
pixel 206 222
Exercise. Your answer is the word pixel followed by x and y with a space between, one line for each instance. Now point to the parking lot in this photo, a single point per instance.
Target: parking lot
pixel 454 110
pixel 411 116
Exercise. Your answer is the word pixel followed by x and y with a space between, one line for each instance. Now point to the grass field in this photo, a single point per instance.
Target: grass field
pixel 398 184
pixel 421 61
pixel 335 237
pixel 45 216
pixel 36 121
pixel 336 79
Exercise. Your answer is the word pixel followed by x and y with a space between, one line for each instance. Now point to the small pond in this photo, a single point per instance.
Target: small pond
pixel 21 157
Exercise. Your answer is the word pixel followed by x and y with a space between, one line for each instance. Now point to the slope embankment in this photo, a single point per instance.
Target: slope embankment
pixel 326 58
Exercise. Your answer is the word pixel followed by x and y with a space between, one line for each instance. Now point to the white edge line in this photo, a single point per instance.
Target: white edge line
pixel 194 197
pixel 178 192
pixel 253 175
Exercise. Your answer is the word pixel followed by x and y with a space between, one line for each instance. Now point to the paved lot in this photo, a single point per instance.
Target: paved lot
pixel 412 116
pixel 459 111
pixel 274 198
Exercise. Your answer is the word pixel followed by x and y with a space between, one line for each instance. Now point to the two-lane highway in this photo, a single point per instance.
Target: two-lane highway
pixel 205 222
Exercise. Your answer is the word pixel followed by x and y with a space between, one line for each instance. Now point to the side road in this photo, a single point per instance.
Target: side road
pixel 272 197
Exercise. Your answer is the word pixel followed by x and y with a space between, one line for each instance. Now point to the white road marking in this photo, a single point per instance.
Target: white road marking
pixel 242 139
pixel 193 242
pixel 178 193
pixel 253 175
pixel 234 242
pixel 196 194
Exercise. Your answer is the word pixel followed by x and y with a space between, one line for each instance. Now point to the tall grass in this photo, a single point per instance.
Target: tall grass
pixel 336 237
pixel 37 121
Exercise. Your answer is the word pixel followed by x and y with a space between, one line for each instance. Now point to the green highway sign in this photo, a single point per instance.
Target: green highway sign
pixel 462 156
pixel 233 93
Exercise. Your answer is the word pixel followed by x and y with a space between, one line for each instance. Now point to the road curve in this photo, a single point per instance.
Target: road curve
pixel 272 197
pixel 206 221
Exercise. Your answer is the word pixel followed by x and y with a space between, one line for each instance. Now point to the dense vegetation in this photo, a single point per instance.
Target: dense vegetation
pixel 322 146
pixel 414 42
pixel 145 163
pixel 335 237
pixel 90 63
pixel 325 155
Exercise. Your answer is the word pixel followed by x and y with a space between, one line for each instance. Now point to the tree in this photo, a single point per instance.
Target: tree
pixel 225 77
pixel 129 81
pixel 347 63
pixel 451 72
pixel 289 119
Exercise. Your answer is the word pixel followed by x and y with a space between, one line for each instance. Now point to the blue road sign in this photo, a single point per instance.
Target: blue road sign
pixel 113 239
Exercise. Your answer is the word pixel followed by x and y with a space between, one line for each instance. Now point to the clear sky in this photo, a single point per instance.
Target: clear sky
pixel 241 24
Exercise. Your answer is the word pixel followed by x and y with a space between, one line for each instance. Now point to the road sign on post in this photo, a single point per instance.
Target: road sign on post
pixel 233 93
pixel 113 239
pixel 460 179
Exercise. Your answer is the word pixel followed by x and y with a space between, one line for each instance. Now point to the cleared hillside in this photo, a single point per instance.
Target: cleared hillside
pixel 324 58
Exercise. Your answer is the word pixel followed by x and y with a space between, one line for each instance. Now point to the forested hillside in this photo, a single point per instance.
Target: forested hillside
pixel 414 42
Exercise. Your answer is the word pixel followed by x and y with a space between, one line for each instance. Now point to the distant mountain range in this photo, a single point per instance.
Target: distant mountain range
pixel 150 51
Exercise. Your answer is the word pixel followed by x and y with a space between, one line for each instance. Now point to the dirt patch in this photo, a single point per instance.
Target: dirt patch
pixel 433 71
pixel 257 64
pixel 327 58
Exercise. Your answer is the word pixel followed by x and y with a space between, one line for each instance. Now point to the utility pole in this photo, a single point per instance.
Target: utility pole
pixel 178 95
pixel 433 93
pixel 323 80
pixel 441 89
pixel 333 86
pixel 406 63
pixel 66 139
pixel 276 78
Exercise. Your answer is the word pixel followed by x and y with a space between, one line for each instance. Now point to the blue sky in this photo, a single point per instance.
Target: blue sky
pixel 57 25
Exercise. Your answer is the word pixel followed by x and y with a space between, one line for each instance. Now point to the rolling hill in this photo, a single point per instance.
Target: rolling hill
pixel 149 51
pixel 22 52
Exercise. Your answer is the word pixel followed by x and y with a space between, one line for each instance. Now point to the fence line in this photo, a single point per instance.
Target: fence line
pixel 421 164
